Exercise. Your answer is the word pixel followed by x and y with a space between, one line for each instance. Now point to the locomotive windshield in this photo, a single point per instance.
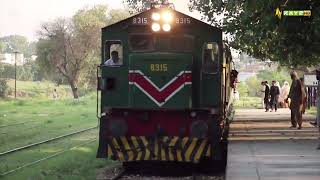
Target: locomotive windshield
pixel 141 42
pixel 182 43
pixel 149 42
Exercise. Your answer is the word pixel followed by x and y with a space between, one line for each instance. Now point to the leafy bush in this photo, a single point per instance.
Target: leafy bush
pixel 253 84
pixel 279 76
pixel 248 102
pixel 20 103
pixel 3 87
pixel 27 72
pixel 242 89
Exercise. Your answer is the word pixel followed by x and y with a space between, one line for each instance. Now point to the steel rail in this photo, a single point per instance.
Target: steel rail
pixel 46 158
pixel 45 141
pixel 14 124
pixel 118 176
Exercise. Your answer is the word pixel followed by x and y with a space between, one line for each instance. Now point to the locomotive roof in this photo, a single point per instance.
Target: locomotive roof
pixel 126 22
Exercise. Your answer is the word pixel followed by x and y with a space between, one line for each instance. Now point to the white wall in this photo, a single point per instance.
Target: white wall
pixel 9 58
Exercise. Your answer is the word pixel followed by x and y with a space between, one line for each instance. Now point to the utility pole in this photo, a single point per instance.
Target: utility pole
pixel 15 73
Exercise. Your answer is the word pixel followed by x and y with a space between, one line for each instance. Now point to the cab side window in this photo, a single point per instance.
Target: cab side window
pixel 210 56
pixel 113 54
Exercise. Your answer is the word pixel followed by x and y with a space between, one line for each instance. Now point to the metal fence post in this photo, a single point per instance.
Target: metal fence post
pixel 318 111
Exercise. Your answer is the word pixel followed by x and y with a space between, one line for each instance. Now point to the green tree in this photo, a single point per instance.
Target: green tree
pixel 31 49
pixel 46 67
pixel 15 43
pixel 254 29
pixel 253 84
pixel 9 44
pixel 140 5
pixel 242 89
pixel 3 88
pixel 2 46
pixel 72 46
pixel 279 76
pixel 6 71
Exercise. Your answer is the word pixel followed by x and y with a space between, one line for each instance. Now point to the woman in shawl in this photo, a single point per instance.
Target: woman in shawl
pixel 284 94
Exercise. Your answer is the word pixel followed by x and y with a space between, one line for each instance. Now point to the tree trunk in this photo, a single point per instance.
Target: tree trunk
pixel 74 90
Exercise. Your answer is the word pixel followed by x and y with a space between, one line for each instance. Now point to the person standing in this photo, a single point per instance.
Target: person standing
pixel 305 100
pixel 266 96
pixel 284 94
pixel 55 94
pixel 318 105
pixel 296 95
pixel 318 112
pixel 262 93
pixel 274 94
pixel 278 85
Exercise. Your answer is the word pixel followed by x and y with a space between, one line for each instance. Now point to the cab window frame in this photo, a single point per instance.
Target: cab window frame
pixel 152 44
pixel 185 37
pixel 107 52
pixel 216 61
pixel 155 43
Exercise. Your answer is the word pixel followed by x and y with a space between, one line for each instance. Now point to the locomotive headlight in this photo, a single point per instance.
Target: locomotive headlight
pixel 155 27
pixel 193 114
pixel 155 16
pixel 166 27
pixel 167 17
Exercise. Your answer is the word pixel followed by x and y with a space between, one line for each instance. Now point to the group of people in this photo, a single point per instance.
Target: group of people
pixel 293 97
pixel 274 96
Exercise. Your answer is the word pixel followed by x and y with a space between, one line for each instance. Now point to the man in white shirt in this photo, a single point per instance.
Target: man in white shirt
pixel 114 60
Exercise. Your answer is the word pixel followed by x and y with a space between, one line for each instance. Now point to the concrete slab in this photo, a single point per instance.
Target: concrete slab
pixel 256 115
pixel 263 147
pixel 256 125
pixel 273 160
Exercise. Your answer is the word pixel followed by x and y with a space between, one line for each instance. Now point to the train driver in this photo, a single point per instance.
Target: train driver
pixel 114 60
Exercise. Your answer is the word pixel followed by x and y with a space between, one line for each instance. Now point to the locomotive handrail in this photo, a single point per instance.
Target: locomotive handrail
pixel 97 111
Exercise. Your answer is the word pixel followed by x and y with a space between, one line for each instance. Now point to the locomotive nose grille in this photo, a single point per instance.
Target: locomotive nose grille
pixel 160 81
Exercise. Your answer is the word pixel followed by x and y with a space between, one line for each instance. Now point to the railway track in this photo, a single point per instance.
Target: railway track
pixel 46 158
pixel 124 176
pixel 37 161
pixel 120 173
pixel 45 141
pixel 20 123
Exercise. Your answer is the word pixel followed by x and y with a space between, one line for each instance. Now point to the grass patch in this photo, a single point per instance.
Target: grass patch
pixel 248 102
pixel 49 118
pixel 76 164
pixel 43 89
pixel 312 110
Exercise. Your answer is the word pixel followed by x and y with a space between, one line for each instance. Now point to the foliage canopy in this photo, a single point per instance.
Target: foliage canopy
pixel 252 27
pixel 71 46
pixel 255 29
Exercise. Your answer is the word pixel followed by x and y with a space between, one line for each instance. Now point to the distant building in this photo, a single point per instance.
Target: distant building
pixel 33 58
pixel 251 65
pixel 243 76
pixel 9 58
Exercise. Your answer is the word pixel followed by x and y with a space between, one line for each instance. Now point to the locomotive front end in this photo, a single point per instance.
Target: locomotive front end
pixel 161 89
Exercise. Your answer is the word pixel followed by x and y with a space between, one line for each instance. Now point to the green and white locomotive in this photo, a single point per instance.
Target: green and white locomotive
pixel 165 81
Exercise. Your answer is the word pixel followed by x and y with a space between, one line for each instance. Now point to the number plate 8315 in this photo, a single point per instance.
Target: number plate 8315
pixel 159 67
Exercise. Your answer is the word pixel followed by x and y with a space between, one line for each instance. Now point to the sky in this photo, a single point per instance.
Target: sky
pixel 23 17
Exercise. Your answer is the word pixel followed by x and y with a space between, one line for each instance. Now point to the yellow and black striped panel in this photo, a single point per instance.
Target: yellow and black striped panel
pixel 139 148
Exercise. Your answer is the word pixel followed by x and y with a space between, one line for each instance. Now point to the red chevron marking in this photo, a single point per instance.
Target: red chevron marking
pixel 160 96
